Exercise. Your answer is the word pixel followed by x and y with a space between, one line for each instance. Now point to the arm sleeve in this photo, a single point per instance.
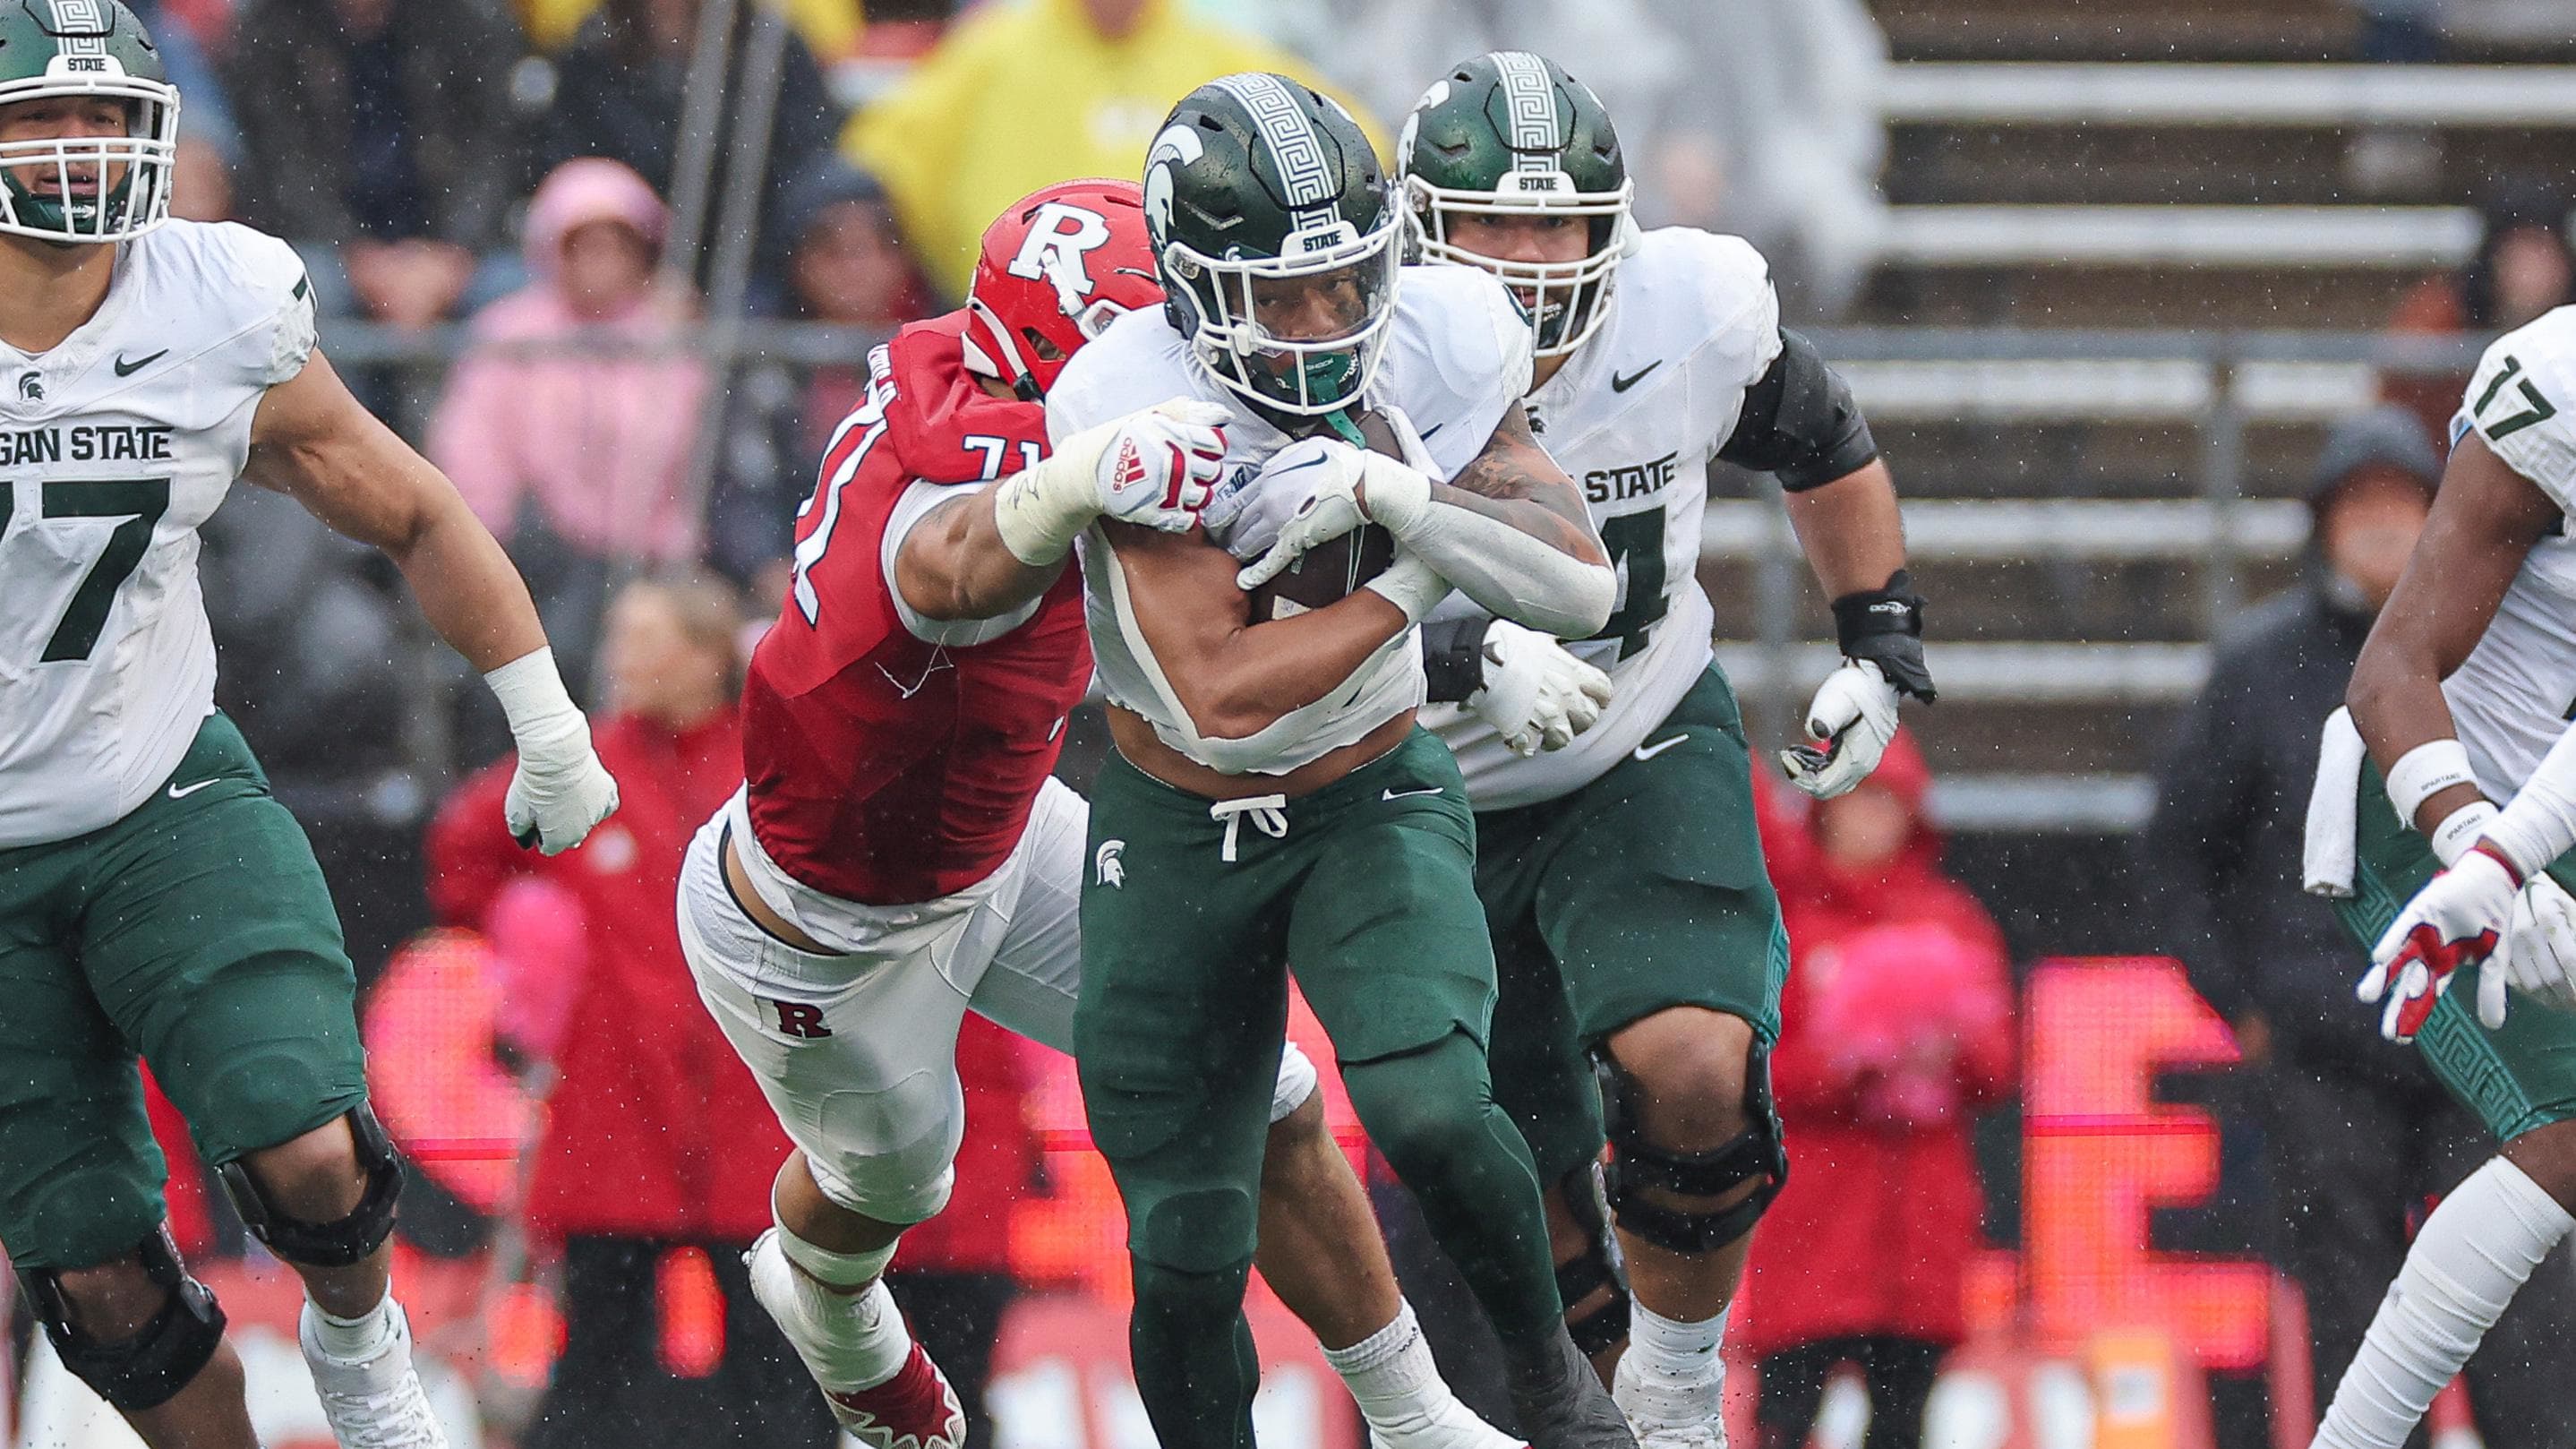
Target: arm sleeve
pixel 468 851
pixel 2194 841
pixel 1800 421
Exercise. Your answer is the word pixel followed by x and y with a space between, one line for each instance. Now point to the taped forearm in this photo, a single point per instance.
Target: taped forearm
pixel 2539 825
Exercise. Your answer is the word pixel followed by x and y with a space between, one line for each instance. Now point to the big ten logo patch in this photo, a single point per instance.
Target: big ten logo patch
pixel 800 1019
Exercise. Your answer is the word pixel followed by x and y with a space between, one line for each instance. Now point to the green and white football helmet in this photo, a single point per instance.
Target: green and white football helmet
pixel 1260 192
pixel 85 188
pixel 1509 133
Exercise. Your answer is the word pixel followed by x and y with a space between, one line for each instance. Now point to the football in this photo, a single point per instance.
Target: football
pixel 1331 570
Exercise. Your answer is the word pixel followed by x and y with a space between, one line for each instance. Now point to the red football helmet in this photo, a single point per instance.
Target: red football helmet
pixel 1056 269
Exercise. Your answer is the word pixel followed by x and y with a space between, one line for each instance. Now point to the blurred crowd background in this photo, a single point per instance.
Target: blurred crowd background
pixel 2158 307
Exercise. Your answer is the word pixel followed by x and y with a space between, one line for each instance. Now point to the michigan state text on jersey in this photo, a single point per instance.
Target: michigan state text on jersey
pixel 1621 874
pixel 154 898
pixel 1272 803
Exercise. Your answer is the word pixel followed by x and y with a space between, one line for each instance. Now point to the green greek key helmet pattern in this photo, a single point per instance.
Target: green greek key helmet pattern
pixel 1276 235
pixel 1510 134
pixel 69 187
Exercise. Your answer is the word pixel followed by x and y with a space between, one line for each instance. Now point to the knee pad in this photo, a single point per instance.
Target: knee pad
pixel 1756 1155
pixel 1201 1231
pixel 1595 1268
pixel 147 1370
pixel 327 1245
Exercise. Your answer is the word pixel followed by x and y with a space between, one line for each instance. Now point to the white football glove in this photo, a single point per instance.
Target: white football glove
pixel 1396 496
pixel 1153 468
pixel 1536 695
pixel 2458 919
pixel 1244 515
pixel 2539 950
pixel 1160 464
pixel 1848 727
pixel 560 789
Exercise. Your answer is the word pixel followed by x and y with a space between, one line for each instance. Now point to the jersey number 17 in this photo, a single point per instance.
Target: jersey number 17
pixel 138 503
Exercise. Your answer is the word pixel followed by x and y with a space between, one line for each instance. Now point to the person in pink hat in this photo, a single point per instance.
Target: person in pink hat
pixel 568 423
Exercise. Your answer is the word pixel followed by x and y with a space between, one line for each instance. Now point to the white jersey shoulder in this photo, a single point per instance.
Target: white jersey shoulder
pixel 1635 418
pixel 2512 697
pixel 1457 358
pixel 114 446
pixel 2515 401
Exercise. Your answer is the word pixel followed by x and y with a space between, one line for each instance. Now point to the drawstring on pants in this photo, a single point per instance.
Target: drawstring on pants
pixel 1269 815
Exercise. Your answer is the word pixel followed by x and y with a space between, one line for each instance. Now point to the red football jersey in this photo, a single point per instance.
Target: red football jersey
pixel 885 769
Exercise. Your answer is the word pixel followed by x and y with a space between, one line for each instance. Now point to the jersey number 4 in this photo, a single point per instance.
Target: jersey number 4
pixel 139 504
pixel 1636 545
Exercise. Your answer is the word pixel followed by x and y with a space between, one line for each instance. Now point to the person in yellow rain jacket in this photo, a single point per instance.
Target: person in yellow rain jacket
pixel 829 28
pixel 1023 94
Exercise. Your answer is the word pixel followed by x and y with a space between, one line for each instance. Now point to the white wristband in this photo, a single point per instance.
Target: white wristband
pixel 2461 829
pixel 2424 772
pixel 542 716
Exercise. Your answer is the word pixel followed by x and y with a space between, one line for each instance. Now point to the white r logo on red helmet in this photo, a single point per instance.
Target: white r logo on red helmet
pixel 1060 236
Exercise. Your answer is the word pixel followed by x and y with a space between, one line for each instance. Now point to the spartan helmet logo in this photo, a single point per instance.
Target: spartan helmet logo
pixel 31 387
pixel 1105 867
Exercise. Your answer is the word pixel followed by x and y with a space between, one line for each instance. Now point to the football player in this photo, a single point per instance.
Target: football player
pixel 2461 696
pixel 900 853
pixel 154 896
pixel 1272 804
pixel 1621 875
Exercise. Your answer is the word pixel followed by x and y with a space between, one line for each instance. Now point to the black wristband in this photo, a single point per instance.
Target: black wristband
pixel 1453 657
pixel 1885 627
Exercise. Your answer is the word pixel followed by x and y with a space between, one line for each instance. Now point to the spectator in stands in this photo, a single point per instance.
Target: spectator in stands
pixel 210 143
pixel 619 91
pixel 570 421
pixel 2523 267
pixel 383 143
pixel 2359 1133
pixel 1018 96
pixel 829 28
pixel 1898 1029
pixel 655 1137
pixel 844 263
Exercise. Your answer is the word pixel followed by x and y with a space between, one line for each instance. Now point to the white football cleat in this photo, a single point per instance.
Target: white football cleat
pixel 377 1403
pixel 1451 1426
pixel 1669 1413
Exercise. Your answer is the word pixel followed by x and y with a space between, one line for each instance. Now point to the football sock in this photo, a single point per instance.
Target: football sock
pixel 1400 1392
pixel 1196 1368
pixel 838 1313
pixel 1673 1372
pixel 355 1340
pixel 2474 1253
pixel 1431 1113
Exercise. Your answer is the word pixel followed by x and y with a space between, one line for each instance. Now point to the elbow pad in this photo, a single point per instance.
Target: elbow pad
pixel 1800 422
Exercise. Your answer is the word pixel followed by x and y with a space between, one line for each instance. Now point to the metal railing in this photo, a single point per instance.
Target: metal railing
pixel 2219 386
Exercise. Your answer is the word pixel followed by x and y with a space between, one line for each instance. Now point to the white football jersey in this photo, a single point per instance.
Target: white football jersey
pixel 2512 698
pixel 114 446
pixel 1457 356
pixel 1634 417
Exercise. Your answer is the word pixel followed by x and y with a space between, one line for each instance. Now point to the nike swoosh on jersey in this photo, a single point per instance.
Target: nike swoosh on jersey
pixel 1648 752
pixel 1622 384
pixel 128 369
pixel 182 792
pixel 1409 794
